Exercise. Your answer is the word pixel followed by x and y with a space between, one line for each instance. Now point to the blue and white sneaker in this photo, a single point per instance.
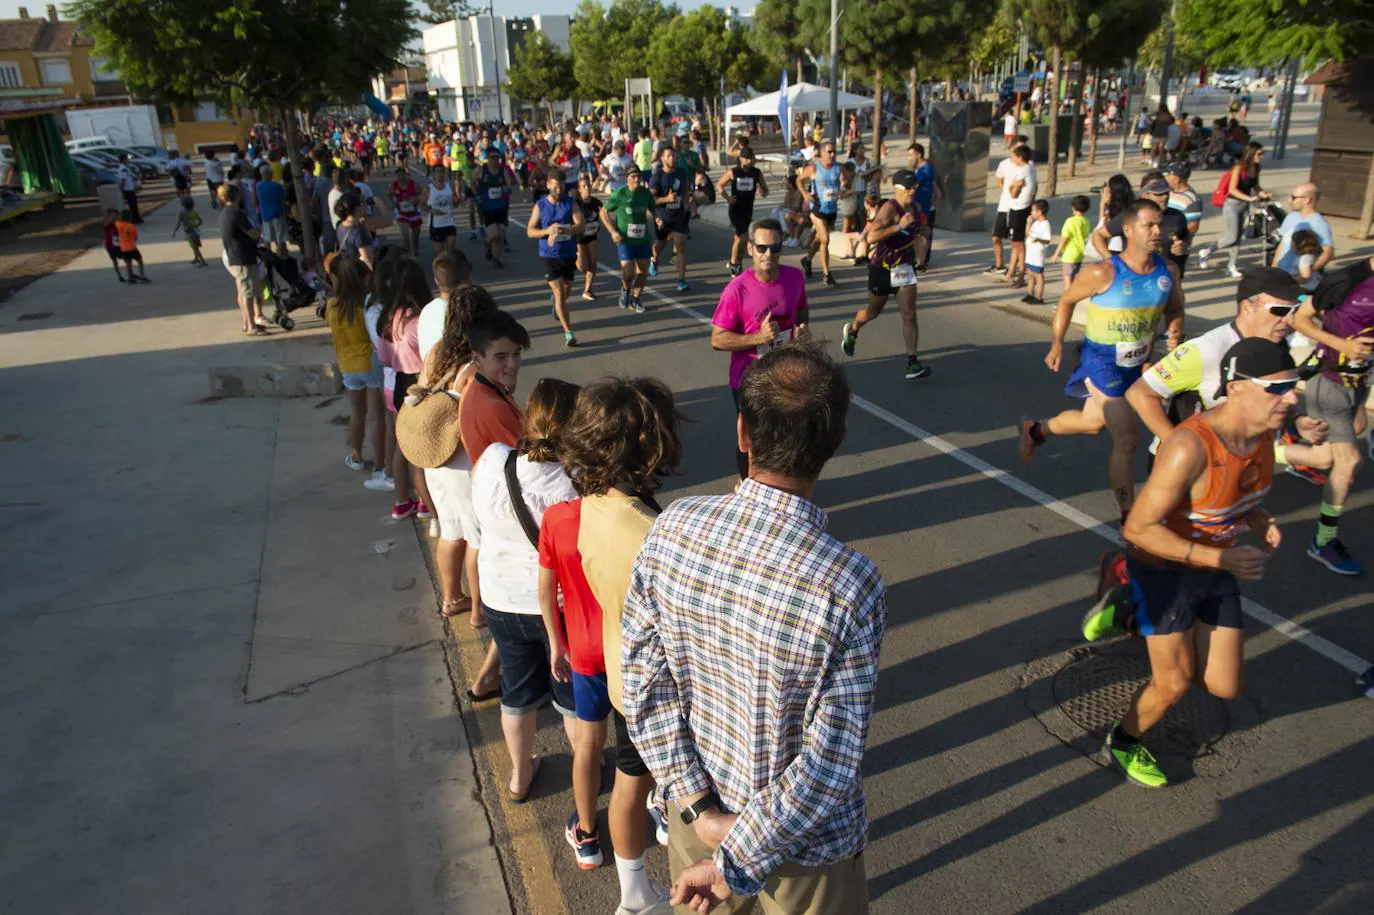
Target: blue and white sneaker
pixel 1335 557
pixel 586 846
pixel 682 286
pixel 660 820
pixel 653 268
pixel 624 301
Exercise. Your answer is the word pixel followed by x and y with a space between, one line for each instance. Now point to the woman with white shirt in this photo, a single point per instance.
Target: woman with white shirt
pixel 506 540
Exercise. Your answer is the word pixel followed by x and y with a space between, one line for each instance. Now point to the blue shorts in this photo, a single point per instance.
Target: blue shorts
pixel 526 681
pixel 640 251
pixel 590 696
pixel 1100 366
pixel 1170 600
pixel 1035 268
pixel 357 381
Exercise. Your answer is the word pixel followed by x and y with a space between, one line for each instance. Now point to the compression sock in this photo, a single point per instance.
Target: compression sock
pixel 1037 432
pixel 1328 525
pixel 635 890
pixel 1121 739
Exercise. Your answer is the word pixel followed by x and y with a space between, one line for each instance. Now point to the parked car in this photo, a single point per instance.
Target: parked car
pixel 110 156
pixel 153 166
pixel 1228 79
pixel 94 175
pixel 101 166
pixel 152 152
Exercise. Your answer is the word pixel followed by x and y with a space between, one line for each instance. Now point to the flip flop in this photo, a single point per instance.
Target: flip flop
pixel 452 608
pixel 525 796
pixel 484 697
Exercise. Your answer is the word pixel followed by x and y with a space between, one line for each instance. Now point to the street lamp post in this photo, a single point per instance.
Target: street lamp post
pixel 495 57
pixel 834 68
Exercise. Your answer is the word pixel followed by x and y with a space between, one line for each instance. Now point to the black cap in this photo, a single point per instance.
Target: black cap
pixel 1181 169
pixel 1253 357
pixel 1269 281
pixel 905 178
pixel 1156 186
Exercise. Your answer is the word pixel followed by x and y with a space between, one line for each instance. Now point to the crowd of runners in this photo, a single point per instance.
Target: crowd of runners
pixel 596 601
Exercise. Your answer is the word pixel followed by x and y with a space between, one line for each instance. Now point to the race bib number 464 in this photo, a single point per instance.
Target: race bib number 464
pixel 1129 355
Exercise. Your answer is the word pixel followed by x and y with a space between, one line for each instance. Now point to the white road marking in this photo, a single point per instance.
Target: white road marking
pixel 1303 636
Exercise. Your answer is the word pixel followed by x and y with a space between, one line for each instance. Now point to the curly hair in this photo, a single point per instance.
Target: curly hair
pixel 547 413
pixel 623 431
pixel 464 307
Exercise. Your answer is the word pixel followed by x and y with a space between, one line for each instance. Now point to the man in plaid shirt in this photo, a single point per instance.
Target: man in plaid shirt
pixel 750 656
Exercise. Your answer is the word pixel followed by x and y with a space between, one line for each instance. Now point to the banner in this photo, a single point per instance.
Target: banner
pixel 782 113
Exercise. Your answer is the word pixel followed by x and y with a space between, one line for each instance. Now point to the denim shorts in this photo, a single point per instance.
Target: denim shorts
pixel 372 378
pixel 591 697
pixel 526 682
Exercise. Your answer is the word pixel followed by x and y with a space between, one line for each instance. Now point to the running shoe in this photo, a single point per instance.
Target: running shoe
pixel 1111 571
pixel 682 286
pixel 354 463
pixel 423 512
pixel 624 300
pixel 861 262
pixel 569 339
pixel 379 482
pixel 1202 255
pixel 733 269
pixel 1105 618
pixel 403 510
pixel 585 845
pixel 659 905
pixel 660 820
pixel 1233 273
pixel 806 266
pixel 653 268
pixel 636 306
pixel 1310 474
pixel 1028 442
pixel 1138 763
pixel 848 339
pixel 589 296
pixel 994 270
pixel 1027 300
pixel 914 369
pixel 828 280
pixel 1335 557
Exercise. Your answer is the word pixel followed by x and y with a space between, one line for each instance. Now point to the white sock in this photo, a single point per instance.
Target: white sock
pixel 636 892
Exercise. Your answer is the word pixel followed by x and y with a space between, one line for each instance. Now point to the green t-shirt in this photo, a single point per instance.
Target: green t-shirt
pixel 1075 230
pixel 644 154
pixel 633 213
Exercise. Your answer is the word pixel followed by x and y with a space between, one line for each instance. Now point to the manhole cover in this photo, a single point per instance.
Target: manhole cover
pixel 1094 691
pixel 34 316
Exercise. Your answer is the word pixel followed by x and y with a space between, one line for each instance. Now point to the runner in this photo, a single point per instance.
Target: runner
pixel 632 207
pixel 1205 490
pixel 613 168
pixel 438 203
pixel 405 203
pixel 761 309
pixel 824 175
pixel 1125 298
pixel 670 186
pixel 557 223
pixel 586 239
pixel 493 186
pixel 892 269
pixel 738 186
pixel 1340 318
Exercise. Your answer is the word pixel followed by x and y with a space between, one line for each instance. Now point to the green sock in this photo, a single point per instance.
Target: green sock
pixel 1328 525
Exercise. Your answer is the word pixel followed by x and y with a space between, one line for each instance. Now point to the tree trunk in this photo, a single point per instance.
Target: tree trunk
pixel 1367 216
pixel 1057 57
pixel 914 103
pixel 309 246
pixel 1099 108
pixel 877 115
pixel 949 88
pixel 1077 119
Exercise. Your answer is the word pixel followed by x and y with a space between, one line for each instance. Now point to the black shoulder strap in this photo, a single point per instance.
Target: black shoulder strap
pixel 517 501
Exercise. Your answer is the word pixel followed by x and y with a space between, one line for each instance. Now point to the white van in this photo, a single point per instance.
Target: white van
pixel 87 143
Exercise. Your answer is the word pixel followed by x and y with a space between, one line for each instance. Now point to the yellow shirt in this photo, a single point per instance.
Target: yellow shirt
pixel 352 345
pixel 1075 230
pixel 276 170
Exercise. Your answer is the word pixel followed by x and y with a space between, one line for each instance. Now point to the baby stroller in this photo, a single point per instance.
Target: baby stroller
pixel 285 287
pixel 1263 222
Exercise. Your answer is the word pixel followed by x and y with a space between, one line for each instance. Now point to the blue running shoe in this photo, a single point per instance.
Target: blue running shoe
pixel 682 286
pixel 1335 557
pixel 653 268
pixel 586 846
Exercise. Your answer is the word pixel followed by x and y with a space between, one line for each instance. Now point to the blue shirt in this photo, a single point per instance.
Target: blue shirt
pixel 562 214
pixel 1285 257
pixel 826 191
pixel 925 188
pixel 271 199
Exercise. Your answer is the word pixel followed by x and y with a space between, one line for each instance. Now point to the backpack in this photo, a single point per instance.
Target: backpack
pixel 1223 190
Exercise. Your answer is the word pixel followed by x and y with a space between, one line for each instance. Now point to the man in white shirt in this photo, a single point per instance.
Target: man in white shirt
pixel 1019 192
pixel 613 167
pixel 1304 216
pixel 1001 226
pixel 128 184
pixel 214 177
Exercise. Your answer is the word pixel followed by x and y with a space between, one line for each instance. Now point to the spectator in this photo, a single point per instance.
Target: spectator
pixel 748 688
pixel 128 186
pixel 240 241
pixel 272 203
pixel 214 177
pixel 1304 215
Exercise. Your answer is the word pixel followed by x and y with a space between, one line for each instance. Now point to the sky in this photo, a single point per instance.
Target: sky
pixel 9 9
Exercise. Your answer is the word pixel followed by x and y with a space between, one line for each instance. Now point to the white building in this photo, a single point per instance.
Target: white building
pixel 467 59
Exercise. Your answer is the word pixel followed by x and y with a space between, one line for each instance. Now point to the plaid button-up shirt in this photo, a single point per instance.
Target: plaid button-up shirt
pixel 750 652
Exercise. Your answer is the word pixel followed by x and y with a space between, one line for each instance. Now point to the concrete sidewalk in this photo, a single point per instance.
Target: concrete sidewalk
pixel 226 683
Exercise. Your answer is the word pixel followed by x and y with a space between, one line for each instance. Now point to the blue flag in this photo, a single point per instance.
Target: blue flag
pixel 782 112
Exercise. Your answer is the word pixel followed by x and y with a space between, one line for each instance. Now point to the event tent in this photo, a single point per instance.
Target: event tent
pixel 803 97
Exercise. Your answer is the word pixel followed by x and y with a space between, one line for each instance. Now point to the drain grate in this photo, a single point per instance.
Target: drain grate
pixel 1094 690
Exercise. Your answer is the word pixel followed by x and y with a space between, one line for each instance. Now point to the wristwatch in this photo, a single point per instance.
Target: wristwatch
pixel 690 814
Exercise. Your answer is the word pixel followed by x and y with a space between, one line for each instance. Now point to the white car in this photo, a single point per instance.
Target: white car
pixel 1230 80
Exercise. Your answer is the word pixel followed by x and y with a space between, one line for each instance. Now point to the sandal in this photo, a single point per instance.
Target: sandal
pixel 523 796
pixel 485 697
pixel 454 607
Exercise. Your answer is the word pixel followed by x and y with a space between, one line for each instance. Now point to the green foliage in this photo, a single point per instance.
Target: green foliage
pixel 1264 33
pixel 272 54
pixel 437 11
pixel 894 35
pixel 611 45
pixel 1121 29
pixel 997 41
pixel 541 72
pixel 689 55
pixel 776 35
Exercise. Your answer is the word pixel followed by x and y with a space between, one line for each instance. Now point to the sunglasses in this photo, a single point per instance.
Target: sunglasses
pixel 1281 311
pixel 1271 386
pixel 773 249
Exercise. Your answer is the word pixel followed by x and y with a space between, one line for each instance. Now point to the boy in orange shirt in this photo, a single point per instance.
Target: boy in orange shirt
pixel 128 246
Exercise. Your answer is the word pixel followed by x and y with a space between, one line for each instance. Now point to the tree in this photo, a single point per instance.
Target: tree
pixel 777 35
pixel 693 55
pixel 250 53
pixel 541 72
pixel 611 45
pixel 438 11
pixel 1261 33
pixel 1114 33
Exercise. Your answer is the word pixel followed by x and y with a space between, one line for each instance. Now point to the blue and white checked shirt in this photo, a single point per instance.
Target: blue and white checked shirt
pixel 750 654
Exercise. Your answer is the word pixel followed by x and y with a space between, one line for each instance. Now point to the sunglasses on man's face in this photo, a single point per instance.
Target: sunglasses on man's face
pixel 1281 311
pixel 771 249
pixel 1273 386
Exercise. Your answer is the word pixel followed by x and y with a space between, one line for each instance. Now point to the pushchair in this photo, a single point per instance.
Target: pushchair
pixel 285 287
pixel 1263 222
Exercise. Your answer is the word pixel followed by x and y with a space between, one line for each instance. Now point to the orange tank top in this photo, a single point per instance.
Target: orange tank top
pixel 128 235
pixel 1235 486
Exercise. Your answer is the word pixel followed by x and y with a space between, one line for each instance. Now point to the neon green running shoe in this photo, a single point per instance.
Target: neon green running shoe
pixel 1106 616
pixel 1138 763
pixel 847 339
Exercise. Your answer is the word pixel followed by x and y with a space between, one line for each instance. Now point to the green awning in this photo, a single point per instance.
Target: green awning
pixel 40 157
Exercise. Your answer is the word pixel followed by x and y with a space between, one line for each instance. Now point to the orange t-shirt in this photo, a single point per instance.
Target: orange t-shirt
pixel 128 235
pixel 486 417
pixel 434 153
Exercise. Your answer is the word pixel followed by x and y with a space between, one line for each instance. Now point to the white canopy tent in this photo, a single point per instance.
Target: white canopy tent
pixel 801 98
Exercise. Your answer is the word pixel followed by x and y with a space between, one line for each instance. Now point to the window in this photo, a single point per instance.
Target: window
pixel 101 71
pixel 9 75
pixel 208 111
pixel 57 71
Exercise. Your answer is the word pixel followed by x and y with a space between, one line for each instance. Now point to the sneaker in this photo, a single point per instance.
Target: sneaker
pixel 660 820
pixel 589 296
pixel 1138 763
pixel 994 270
pixel 624 300
pixel 424 512
pixel 1105 617
pixel 1028 442
pixel 806 266
pixel 636 305
pixel 586 846
pixel 354 463
pixel 120 278
pixel 403 510
pixel 1027 300
pixel 1233 273
pixel 569 339
pixel 653 268
pixel 1202 258
pixel 379 482
pixel 914 369
pixel 861 261
pixel 1335 557
pixel 682 286
pixel 1111 571
pixel 828 280
pixel 1310 474
pixel 848 339
pixel 733 269
pixel 1365 682
pixel 659 905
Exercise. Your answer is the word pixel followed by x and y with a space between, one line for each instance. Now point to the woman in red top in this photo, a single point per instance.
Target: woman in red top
pixel 405 203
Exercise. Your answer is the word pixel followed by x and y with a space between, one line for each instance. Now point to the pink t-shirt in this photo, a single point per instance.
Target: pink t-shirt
pixel 747 301
pixel 405 336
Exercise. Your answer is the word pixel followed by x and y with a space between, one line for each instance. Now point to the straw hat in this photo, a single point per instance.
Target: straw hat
pixel 427 427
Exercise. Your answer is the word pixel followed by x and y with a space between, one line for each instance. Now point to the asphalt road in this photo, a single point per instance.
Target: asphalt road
pixel 986 791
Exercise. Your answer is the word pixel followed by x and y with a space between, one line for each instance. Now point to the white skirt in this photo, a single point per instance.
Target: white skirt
pixel 450 487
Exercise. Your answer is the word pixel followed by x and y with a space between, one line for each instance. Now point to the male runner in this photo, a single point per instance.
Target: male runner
pixel 824 175
pixel 632 207
pixel 557 222
pixel 1125 298
pixel 1205 490
pixel 738 186
pixel 613 168
pixel 670 186
pixel 1340 318
pixel 492 187
pixel 892 269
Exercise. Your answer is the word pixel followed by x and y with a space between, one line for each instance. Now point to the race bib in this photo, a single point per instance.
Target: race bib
pixel 494 193
pixel 902 275
pixel 407 206
pixel 635 230
pixel 1129 355
pixel 591 229
pixel 827 195
pixel 744 184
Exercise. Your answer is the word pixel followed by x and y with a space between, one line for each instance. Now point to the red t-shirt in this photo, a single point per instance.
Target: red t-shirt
pixel 581 613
